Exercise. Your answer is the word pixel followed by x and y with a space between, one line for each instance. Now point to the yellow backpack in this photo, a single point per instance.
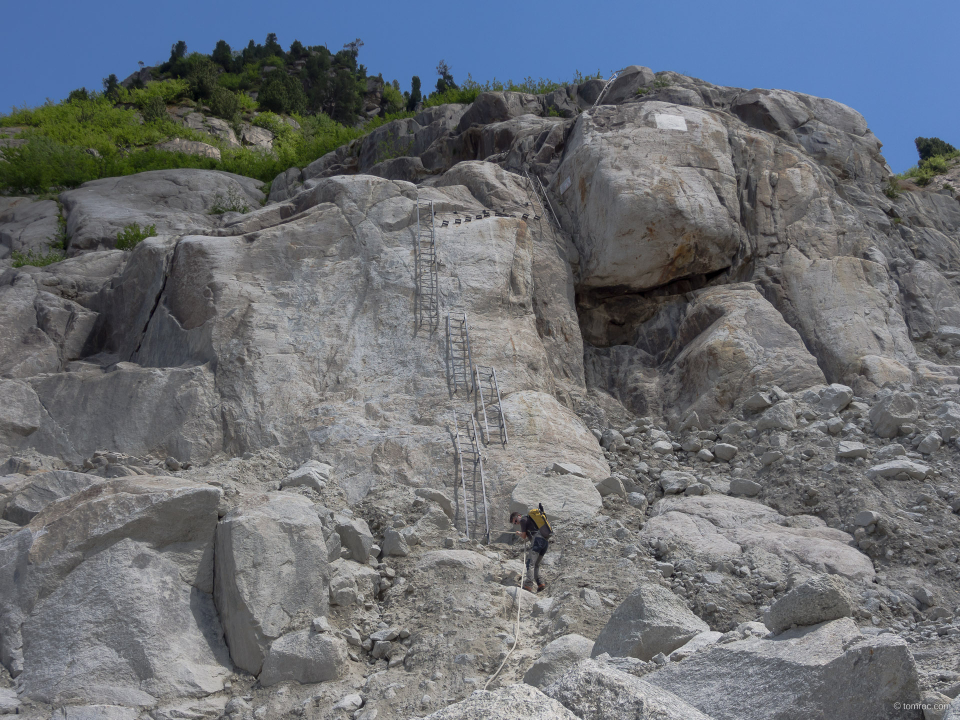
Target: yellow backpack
pixel 538 515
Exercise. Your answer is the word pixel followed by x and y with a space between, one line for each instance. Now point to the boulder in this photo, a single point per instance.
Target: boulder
pixel 645 216
pixel 611 486
pixel 781 416
pixel 303 657
pixel 272 574
pixel 507 703
pixel 189 147
pixel 38 491
pixel 817 600
pixel 852 449
pixel 112 598
pixel 704 639
pixel 827 670
pixel 625 87
pixel 596 691
pixel 491 107
pixel 835 397
pixel 312 474
pixel 712 529
pixel 556 658
pixel 563 496
pixel 892 411
pixel 674 482
pixel 892 468
pixel 355 537
pixel 725 451
pixel 439 498
pixel 395 544
pixel 651 620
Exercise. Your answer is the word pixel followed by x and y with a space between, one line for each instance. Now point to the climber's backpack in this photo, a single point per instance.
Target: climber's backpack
pixel 539 516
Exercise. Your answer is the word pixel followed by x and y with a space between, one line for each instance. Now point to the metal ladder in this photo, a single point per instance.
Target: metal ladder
pixel 427 302
pixel 487 402
pixel 541 194
pixel 606 87
pixel 474 489
pixel 460 362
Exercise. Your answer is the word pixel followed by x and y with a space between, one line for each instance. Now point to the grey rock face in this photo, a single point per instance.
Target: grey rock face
pixel 817 600
pixel 595 691
pixel 272 574
pixel 651 620
pixel 892 411
pixel 121 575
pixel 27 225
pixel 505 704
pixel 827 670
pixel 557 658
pixel 303 657
pixel 40 490
pixel 175 201
pixel 173 411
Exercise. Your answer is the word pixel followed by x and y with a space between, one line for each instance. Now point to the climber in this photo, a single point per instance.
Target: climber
pixel 533 526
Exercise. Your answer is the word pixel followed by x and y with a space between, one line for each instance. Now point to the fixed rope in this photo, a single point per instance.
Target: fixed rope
pixel 516 631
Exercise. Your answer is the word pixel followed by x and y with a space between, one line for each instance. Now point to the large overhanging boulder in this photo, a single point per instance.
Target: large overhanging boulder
pixel 655 192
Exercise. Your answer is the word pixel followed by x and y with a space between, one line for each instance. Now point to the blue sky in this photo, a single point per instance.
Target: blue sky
pixel 888 60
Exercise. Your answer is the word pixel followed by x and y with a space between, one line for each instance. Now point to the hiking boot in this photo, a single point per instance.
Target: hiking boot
pixel 541 586
pixel 529 586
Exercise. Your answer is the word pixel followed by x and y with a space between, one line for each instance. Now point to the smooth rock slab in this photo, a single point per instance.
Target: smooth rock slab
pixel 824 671
pixel 651 620
pixel 597 691
pixel 303 657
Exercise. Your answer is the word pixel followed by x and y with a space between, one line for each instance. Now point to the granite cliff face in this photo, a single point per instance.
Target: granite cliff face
pixel 725 362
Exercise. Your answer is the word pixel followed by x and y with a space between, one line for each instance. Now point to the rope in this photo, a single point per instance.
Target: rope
pixel 516 633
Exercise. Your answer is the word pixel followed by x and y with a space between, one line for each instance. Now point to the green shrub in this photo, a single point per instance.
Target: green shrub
pixel 892 188
pixel 282 93
pixel 44 163
pixel 929 147
pixel 224 103
pixel 132 235
pixel 154 109
pixel 415 95
pixel 394 99
pixel 37 259
pixel 169 90
pixel 202 77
